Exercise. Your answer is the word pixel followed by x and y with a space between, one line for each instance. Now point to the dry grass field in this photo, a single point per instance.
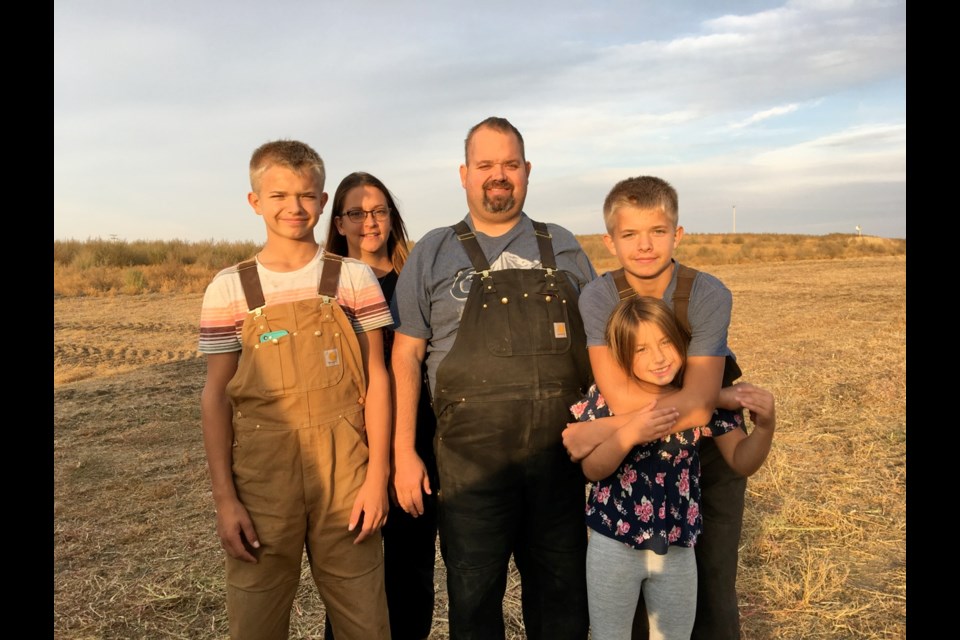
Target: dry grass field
pixel 823 552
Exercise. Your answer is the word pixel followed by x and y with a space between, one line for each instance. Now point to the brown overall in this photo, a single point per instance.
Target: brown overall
pixel 299 459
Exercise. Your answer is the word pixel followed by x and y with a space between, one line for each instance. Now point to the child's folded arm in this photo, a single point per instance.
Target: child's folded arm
pixel 581 438
pixel 746 454
pixel 643 426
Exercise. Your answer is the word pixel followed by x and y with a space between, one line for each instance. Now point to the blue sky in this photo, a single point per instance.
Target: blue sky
pixel 793 111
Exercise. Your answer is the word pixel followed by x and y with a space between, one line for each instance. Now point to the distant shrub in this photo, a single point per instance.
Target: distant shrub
pixel 219 255
pixel 832 249
pixel 134 281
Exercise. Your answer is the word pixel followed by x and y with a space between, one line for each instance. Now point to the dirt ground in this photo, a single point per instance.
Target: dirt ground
pixel 823 550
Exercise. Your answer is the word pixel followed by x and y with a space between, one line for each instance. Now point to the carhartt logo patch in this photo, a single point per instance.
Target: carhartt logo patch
pixel 332 357
pixel 560 330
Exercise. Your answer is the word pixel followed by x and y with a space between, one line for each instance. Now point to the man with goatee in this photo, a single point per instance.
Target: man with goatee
pixel 491 305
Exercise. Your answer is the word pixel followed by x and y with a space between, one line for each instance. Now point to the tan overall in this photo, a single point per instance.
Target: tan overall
pixel 299 459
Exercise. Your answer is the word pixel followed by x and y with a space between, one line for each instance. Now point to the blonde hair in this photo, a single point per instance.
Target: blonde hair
pixel 643 192
pixel 621 333
pixel 292 154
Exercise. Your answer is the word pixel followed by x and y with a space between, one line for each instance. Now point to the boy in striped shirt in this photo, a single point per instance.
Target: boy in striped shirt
pixel 296 413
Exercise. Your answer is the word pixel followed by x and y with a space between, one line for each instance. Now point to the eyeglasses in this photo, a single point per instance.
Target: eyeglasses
pixel 359 215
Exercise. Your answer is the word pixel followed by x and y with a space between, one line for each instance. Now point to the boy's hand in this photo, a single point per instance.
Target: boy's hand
pixel 759 402
pixel 372 505
pixel 649 424
pixel 728 398
pixel 235 530
pixel 410 482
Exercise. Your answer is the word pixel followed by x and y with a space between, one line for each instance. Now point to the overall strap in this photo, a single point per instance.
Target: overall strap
pixel 330 275
pixel 681 295
pixel 547 258
pixel 250 281
pixel 624 290
pixel 469 241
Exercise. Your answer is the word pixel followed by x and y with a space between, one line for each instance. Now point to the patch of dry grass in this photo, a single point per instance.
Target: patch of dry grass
pixel 823 551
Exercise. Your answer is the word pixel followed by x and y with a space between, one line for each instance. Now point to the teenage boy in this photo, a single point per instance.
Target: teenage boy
pixel 641 217
pixel 296 413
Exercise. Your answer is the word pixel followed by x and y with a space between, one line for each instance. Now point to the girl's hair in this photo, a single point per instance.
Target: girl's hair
pixel 621 334
pixel 397 248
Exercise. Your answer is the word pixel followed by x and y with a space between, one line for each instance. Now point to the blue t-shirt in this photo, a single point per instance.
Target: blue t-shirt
pixel 435 281
pixel 708 312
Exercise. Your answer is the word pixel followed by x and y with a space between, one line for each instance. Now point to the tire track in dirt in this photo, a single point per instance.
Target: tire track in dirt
pixel 92 355
pixel 135 327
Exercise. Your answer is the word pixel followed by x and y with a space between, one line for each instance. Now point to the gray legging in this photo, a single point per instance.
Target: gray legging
pixel 616 574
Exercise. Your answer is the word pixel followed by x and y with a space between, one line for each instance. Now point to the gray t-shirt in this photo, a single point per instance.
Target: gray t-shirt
pixel 436 278
pixel 708 312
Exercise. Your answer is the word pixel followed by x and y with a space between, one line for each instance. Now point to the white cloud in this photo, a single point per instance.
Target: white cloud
pixel 763 115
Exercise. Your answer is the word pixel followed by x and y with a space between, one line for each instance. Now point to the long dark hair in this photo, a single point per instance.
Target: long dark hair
pixel 397 241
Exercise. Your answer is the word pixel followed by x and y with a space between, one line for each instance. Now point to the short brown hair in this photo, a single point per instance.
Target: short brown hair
pixel 621 333
pixel 294 155
pixel 644 192
pixel 497 124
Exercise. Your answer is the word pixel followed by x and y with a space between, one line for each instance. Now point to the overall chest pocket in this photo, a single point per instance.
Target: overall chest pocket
pixel 522 315
pixel 309 356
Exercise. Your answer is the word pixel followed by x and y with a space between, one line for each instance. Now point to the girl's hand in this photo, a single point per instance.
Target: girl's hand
pixel 649 424
pixel 581 438
pixel 759 402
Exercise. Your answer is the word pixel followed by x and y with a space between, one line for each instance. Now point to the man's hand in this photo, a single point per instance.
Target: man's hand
pixel 235 530
pixel 372 505
pixel 410 482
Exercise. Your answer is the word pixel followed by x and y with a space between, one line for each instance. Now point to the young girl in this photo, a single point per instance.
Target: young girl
pixel 365 224
pixel 643 508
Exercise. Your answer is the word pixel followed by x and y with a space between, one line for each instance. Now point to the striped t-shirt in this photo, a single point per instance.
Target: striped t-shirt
pixel 225 306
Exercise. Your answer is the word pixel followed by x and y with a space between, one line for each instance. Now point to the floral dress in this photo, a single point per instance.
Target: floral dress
pixel 653 499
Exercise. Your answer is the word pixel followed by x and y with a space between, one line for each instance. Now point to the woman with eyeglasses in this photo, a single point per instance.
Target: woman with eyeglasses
pixel 366 225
